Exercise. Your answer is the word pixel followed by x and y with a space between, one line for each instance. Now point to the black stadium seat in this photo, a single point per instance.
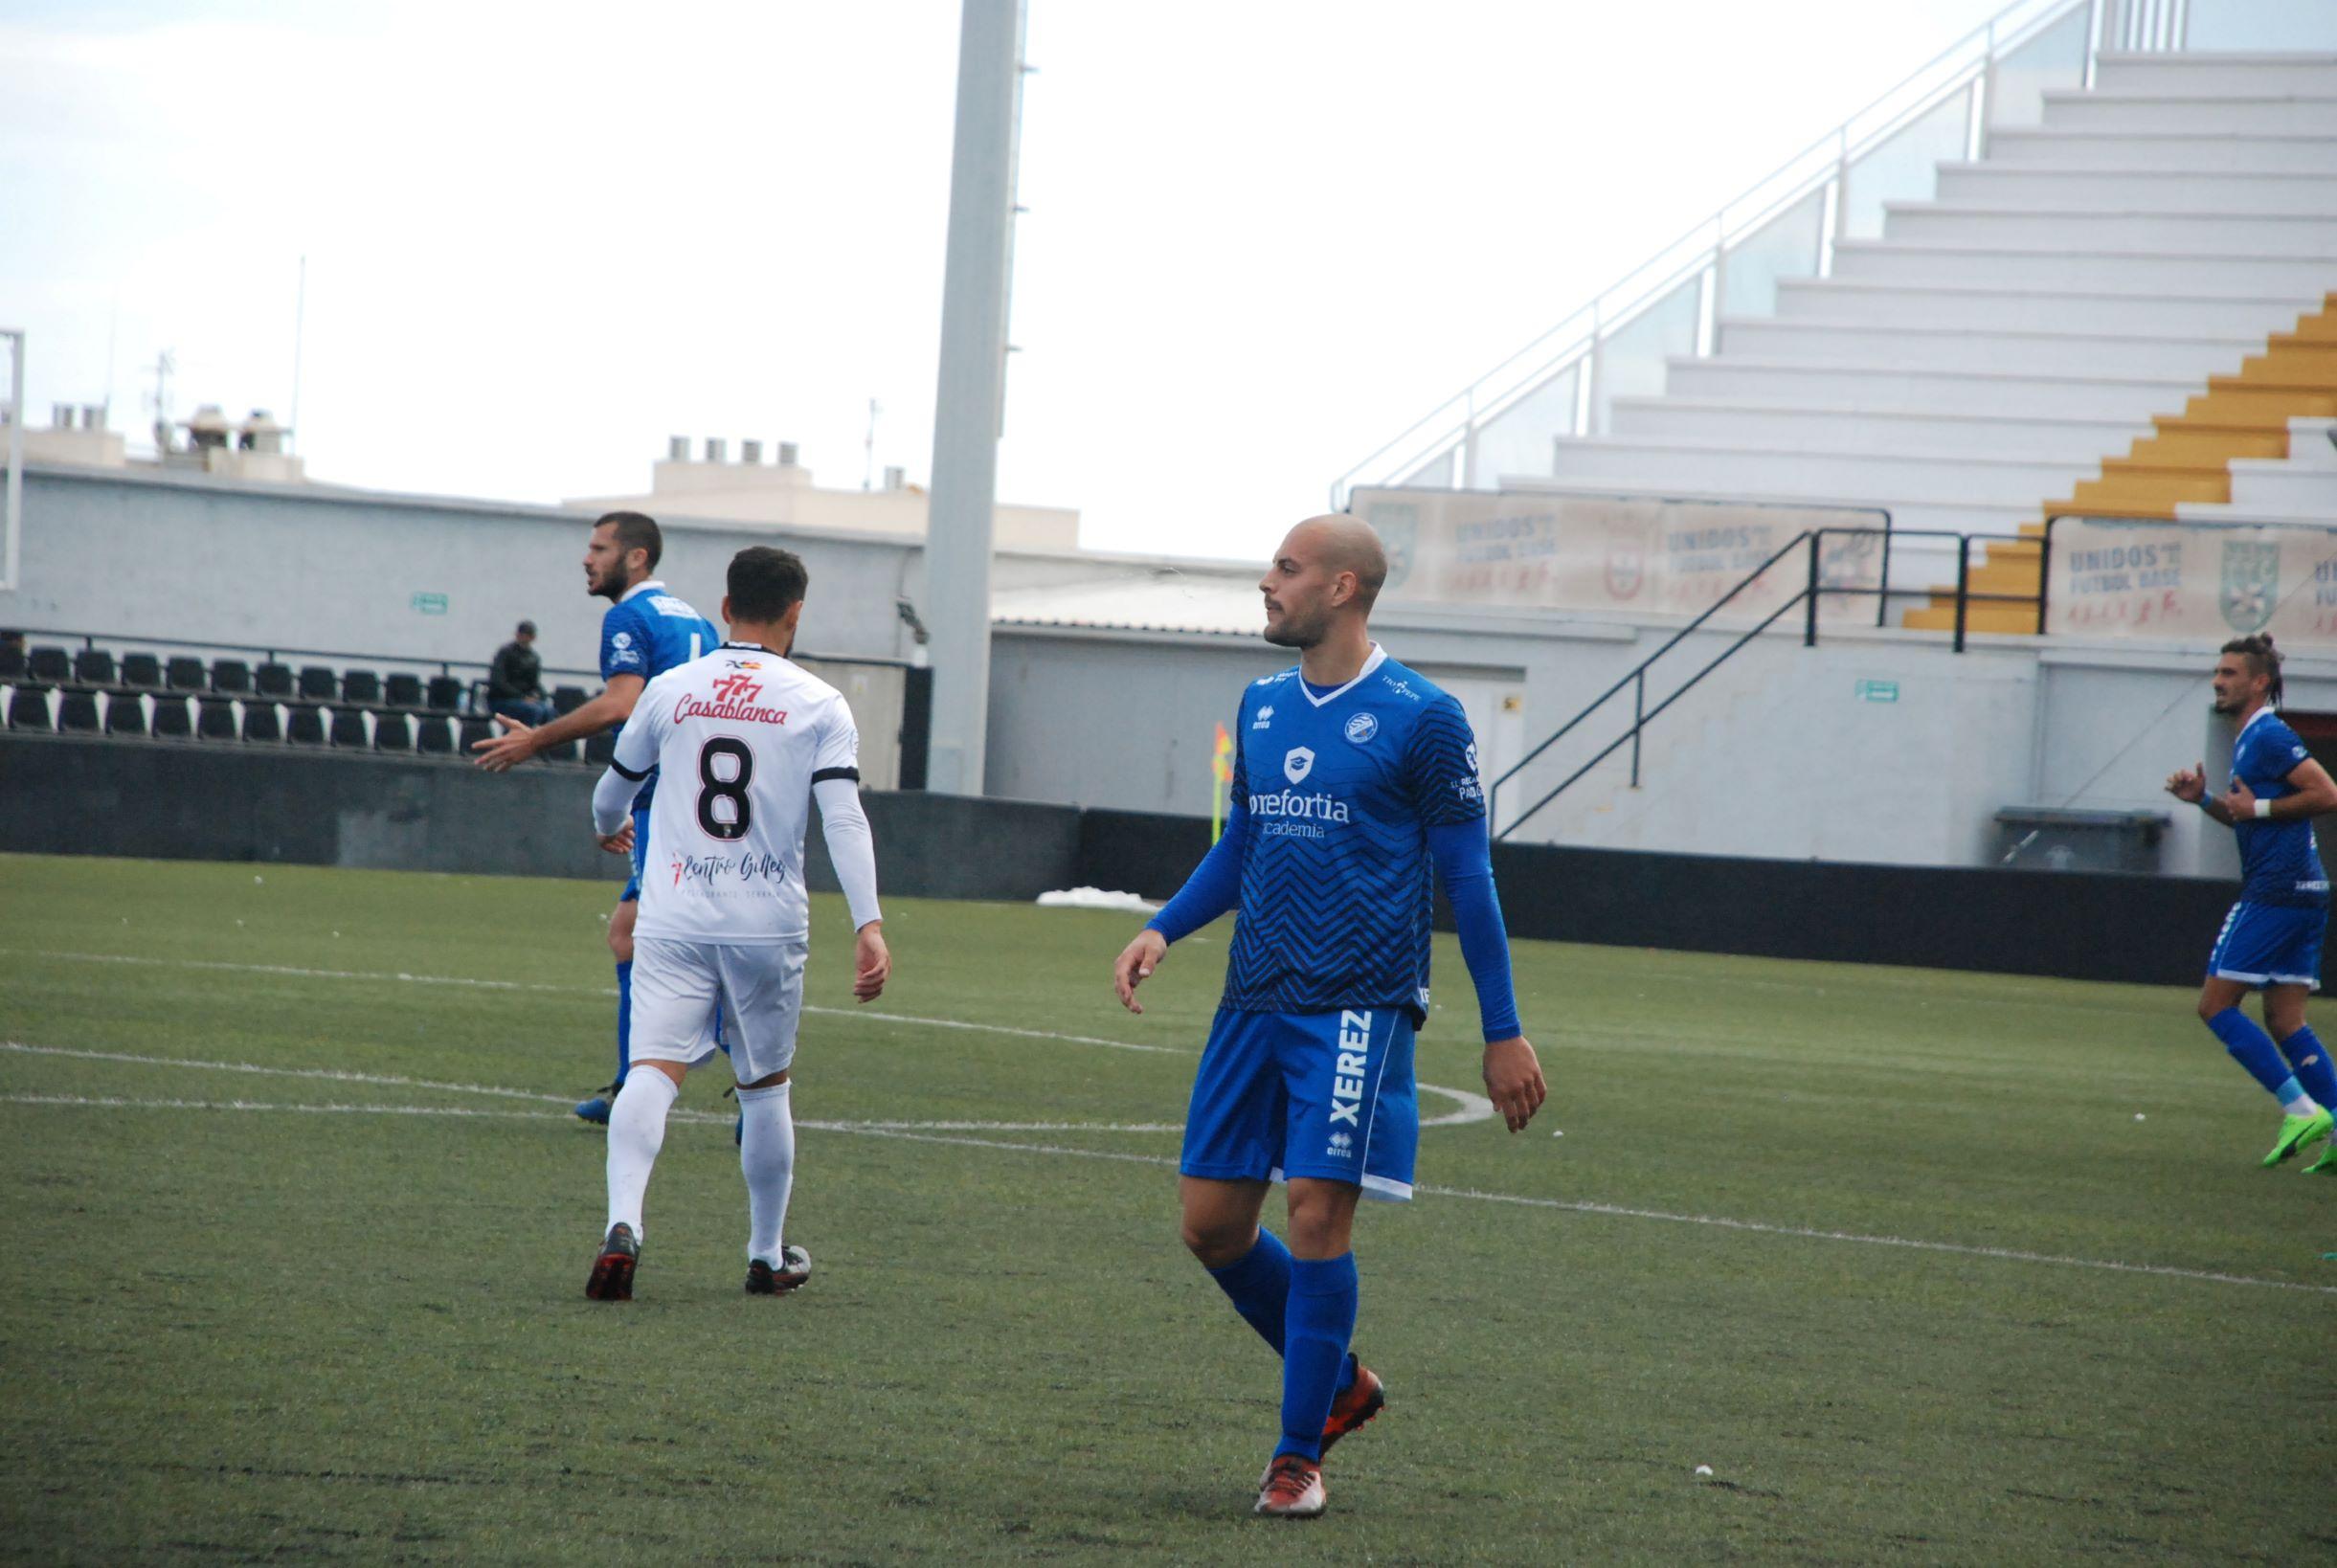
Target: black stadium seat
pixel 143 671
pixel 318 683
pixel 602 748
pixel 393 732
pixel 474 730
pixel 445 693
pixel 185 674
pixel 94 667
pixel 54 666
pixel 231 675
pixel 567 699
pixel 349 727
pixel 307 724
pixel 403 690
pixel 28 708
pixel 215 719
pixel 77 710
pixel 12 661
pixel 125 715
pixel 263 723
pixel 172 719
pixel 362 687
pixel 434 735
pixel 273 679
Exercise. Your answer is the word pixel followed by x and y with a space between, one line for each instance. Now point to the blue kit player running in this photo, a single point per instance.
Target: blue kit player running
pixel 2271 941
pixel 1354 776
pixel 645 633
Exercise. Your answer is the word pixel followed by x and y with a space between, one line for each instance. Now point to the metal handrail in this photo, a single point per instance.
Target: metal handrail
pixel 1805 599
pixel 1447 429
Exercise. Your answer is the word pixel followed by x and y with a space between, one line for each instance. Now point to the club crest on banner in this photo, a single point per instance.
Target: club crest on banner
pixel 1297 764
pixel 2251 584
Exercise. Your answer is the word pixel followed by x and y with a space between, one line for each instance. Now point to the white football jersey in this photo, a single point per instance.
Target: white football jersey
pixel 738 738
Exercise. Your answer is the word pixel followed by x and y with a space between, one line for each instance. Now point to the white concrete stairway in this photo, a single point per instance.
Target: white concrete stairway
pixel 1998 342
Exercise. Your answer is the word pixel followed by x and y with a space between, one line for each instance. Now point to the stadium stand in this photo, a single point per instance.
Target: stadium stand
pixel 274 680
pixel 125 716
pixel 50 664
pixel 142 671
pixel 349 729
pixel 402 690
pixel 215 719
pixel 231 677
pixel 600 750
pixel 306 726
pixel 566 699
pixel 76 710
pixel 319 684
pixel 12 660
pixel 95 667
pixel 445 693
pixel 262 722
pixel 184 673
pixel 393 732
pixel 474 730
pixel 361 687
pixel 434 735
pixel 173 720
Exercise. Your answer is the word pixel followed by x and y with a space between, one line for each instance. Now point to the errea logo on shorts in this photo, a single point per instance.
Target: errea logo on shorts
pixel 1347 1079
pixel 1342 1146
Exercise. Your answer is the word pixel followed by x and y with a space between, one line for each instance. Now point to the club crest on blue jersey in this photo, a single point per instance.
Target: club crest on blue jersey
pixel 1363 726
pixel 1297 763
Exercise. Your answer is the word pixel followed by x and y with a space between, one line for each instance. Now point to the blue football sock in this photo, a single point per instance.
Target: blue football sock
pixel 2311 1058
pixel 2250 1048
pixel 1259 1284
pixel 1314 1348
pixel 625 1017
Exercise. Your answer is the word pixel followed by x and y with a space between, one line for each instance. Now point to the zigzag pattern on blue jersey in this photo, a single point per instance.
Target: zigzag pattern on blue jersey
pixel 1335 915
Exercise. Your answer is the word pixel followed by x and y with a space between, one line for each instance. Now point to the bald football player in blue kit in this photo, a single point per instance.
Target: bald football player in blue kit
pixel 1353 778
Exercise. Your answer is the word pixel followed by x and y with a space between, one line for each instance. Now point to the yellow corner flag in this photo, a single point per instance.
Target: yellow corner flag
pixel 1221 775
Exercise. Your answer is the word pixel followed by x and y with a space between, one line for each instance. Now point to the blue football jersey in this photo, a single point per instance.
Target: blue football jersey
pixel 2279 861
pixel 1341 792
pixel 647 633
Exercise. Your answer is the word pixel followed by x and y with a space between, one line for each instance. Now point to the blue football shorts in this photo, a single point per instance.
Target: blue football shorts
pixel 1306 1094
pixel 2270 944
pixel 641 855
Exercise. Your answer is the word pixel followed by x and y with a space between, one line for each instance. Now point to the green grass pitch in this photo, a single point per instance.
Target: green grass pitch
pixel 254 1310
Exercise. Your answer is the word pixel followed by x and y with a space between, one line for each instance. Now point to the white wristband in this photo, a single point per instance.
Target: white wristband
pixel 2263 808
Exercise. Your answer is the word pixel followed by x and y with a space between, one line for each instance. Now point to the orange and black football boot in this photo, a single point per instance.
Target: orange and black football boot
pixel 611 1277
pixel 1357 1406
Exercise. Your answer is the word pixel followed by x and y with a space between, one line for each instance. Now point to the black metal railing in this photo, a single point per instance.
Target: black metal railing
pixel 1808 598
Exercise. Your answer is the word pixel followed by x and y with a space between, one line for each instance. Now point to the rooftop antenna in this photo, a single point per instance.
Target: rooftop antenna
pixel 165 365
pixel 867 460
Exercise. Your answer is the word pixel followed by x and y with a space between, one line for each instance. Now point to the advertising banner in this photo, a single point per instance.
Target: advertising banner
pixel 1517 550
pixel 2192 581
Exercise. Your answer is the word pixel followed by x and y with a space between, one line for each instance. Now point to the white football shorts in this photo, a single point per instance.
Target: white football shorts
pixel 678 986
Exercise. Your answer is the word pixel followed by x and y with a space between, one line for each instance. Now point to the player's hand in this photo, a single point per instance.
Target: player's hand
pixel 2240 800
pixel 871 962
pixel 619 843
pixel 1512 1079
pixel 2189 784
pixel 500 753
pixel 1136 964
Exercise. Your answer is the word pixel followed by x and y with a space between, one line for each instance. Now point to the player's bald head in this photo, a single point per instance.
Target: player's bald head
pixel 1337 541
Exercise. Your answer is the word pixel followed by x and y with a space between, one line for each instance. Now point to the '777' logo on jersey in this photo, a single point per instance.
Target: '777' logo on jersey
pixel 738 688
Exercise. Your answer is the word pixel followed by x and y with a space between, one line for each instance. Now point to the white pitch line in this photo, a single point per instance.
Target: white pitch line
pixel 1472 1108
pixel 916 1133
pixel 390 1081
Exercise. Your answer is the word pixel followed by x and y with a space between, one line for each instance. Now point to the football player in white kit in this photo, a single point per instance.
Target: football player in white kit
pixel 743 740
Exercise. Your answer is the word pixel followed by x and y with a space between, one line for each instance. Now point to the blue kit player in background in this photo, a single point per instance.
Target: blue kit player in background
pixel 2271 940
pixel 645 633
pixel 1353 778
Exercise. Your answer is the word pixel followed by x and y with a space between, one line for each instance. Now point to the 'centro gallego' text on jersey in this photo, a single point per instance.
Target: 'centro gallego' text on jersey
pixel 1340 792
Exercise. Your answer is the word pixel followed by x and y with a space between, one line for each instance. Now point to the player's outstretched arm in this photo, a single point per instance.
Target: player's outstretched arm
pixel 500 753
pixel 1214 887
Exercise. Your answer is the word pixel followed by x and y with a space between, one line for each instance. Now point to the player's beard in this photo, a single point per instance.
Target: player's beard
pixel 610 589
pixel 1294 632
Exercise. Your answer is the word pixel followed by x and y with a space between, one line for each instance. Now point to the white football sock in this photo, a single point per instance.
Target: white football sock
pixel 766 1155
pixel 637 1131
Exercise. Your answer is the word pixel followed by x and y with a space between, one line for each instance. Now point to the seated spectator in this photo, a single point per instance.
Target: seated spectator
pixel 515 681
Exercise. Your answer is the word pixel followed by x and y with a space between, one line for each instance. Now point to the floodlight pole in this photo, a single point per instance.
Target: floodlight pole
pixel 14 506
pixel 970 403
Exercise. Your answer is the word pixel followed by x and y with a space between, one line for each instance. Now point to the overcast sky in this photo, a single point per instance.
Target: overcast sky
pixel 1263 236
